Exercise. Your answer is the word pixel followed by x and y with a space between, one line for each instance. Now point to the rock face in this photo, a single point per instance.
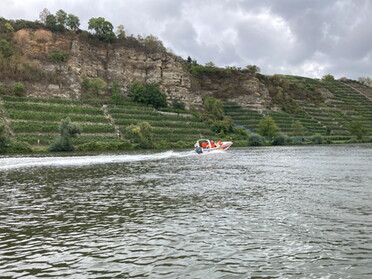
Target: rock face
pixel 87 58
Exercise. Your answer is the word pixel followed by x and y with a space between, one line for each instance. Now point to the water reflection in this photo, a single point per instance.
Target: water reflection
pixel 288 212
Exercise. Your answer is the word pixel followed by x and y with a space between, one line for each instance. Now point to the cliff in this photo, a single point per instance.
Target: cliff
pixel 89 57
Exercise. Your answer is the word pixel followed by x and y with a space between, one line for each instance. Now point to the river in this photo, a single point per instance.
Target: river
pixel 270 212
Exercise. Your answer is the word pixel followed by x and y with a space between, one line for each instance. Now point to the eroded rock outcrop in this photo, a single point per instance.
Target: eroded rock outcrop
pixel 124 65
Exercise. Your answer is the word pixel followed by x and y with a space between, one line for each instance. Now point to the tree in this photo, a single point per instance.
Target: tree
pixel 140 133
pixel 120 33
pixel 43 15
pixel 68 130
pixel 4 139
pixel 61 19
pixel 367 81
pixel 148 94
pixel 73 22
pixel 252 69
pixel 298 128
pixel 116 96
pixel 6 49
pixel 267 127
pixel 357 129
pixel 102 28
pixel 51 22
pixel 214 107
pixel 328 77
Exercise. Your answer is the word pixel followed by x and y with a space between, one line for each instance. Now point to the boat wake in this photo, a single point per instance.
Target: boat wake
pixel 9 163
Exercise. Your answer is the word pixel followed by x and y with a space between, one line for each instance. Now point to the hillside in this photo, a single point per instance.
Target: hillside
pixel 42 75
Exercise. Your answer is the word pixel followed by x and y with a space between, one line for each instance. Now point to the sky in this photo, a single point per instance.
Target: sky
pixel 309 38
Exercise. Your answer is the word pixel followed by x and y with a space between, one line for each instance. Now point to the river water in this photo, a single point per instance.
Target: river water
pixel 272 212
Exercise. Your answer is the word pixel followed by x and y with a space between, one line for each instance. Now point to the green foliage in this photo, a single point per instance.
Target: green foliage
pixel 178 105
pixel 317 139
pixel 19 89
pixel 102 28
pixel 256 140
pixel 222 127
pixel 148 94
pixel 4 139
pixel 357 130
pixel 51 23
pixel 61 18
pixel 267 127
pixel 58 56
pixel 298 128
pixel 328 77
pixel 281 139
pixel 8 28
pixel 6 49
pixel 95 87
pixel 116 96
pixel 72 22
pixel 252 69
pixel 105 146
pixel 19 147
pixel 68 130
pixel 214 108
pixel 140 134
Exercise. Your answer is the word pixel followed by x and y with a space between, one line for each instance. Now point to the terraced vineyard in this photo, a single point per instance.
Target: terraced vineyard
pixel 36 121
pixel 167 127
pixel 346 105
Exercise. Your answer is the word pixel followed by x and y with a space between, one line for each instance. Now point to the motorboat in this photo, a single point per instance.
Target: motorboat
pixel 206 145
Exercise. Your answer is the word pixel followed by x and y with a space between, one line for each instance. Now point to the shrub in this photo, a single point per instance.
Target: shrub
pixel 96 86
pixel 19 89
pixel 317 139
pixel 19 147
pixel 256 140
pixel 148 94
pixel 140 134
pixel 214 107
pixel 58 56
pixel 6 49
pixel 4 139
pixel 281 140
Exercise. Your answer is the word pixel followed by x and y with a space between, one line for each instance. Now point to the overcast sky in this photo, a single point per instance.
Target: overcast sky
pixel 299 37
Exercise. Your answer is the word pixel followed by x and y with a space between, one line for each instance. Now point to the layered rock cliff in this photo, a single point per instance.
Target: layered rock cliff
pixel 114 62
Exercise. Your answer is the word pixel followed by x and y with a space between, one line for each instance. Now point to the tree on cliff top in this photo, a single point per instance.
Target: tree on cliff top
pixel 102 28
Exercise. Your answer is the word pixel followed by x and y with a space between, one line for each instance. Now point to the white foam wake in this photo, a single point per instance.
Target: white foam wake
pixel 24 162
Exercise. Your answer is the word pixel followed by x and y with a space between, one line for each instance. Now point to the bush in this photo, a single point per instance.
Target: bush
pixel 4 139
pixel 140 134
pixel 317 139
pixel 148 94
pixel 19 89
pixel 96 86
pixel 256 140
pixel 19 147
pixel 281 140
pixel 6 49
pixel 58 56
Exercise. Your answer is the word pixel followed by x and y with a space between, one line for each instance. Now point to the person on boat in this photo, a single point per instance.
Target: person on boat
pixel 219 143
pixel 204 145
pixel 213 144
